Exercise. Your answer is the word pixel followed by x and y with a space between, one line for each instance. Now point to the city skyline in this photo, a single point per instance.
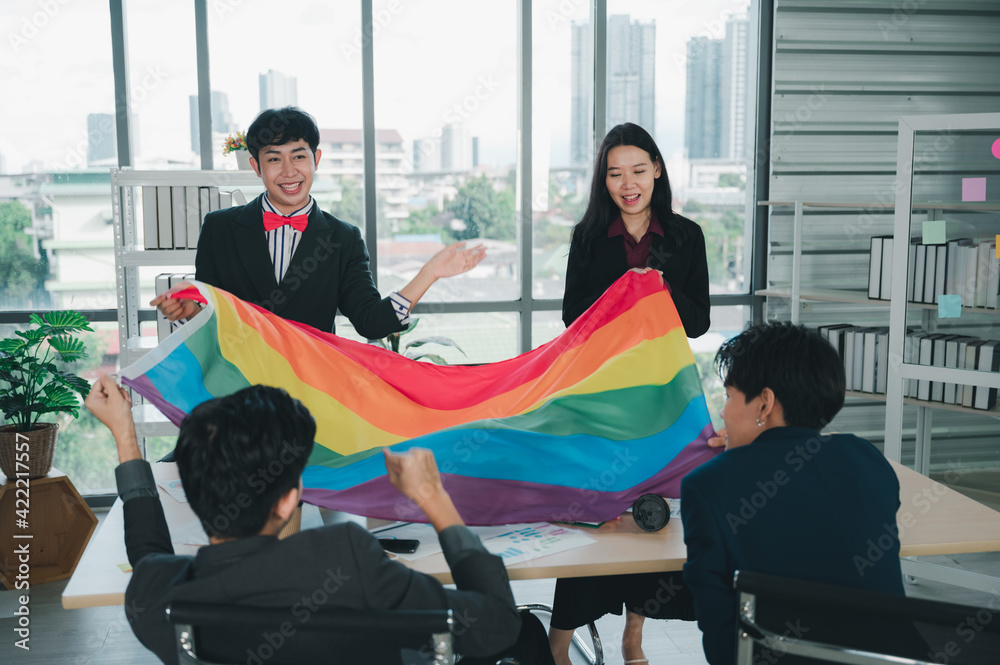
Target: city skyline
pixel 60 59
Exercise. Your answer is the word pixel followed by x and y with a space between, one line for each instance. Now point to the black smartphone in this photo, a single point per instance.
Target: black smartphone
pixel 399 545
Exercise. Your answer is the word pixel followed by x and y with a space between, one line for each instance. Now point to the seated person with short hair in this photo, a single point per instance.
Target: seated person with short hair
pixel 784 499
pixel 240 459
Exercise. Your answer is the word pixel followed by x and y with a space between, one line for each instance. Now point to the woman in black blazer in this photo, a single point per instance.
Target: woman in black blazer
pixel 629 225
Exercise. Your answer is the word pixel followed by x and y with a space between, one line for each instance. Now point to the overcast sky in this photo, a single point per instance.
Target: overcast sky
pixel 434 59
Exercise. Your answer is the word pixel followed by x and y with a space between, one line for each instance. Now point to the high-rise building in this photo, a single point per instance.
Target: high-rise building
pixel 716 106
pixel 703 105
pixel 734 81
pixel 581 93
pixel 631 82
pixel 277 90
pixel 222 119
pixel 102 139
pixel 456 148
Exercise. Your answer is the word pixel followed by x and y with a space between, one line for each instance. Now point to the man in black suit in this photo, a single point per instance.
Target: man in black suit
pixel 283 253
pixel 240 460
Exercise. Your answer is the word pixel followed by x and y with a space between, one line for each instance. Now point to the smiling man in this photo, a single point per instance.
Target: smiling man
pixel 283 253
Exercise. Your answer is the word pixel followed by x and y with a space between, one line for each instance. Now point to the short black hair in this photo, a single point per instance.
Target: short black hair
pixel 237 455
pixel 796 363
pixel 281 126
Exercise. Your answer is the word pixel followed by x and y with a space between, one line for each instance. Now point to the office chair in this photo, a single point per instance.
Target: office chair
pixel 595 657
pixel 791 622
pixel 217 634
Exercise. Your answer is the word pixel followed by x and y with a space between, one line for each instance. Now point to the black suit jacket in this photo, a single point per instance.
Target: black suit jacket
pixel 679 253
pixel 328 271
pixel 793 503
pixel 339 565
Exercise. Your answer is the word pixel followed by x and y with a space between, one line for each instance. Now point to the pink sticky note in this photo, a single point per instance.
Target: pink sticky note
pixel 996 148
pixel 973 189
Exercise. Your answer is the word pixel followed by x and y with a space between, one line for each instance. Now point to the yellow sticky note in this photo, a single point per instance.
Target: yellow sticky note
pixel 125 567
pixel 934 233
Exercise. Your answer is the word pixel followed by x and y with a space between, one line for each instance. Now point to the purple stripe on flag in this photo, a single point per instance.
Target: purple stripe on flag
pixel 510 501
pixel 145 387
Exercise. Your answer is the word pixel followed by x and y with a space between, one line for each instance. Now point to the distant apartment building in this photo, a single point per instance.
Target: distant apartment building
pixel 277 90
pixel 631 80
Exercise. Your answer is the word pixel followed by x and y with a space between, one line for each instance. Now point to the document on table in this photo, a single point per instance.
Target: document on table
pixel 514 543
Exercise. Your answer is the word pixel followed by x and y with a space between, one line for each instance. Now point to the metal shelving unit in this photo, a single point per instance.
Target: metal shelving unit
pixel 130 255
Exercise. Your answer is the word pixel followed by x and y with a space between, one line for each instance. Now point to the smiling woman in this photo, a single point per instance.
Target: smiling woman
pixel 629 225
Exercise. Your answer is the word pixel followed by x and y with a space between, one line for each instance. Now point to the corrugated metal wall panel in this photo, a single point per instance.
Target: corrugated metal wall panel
pixel 844 71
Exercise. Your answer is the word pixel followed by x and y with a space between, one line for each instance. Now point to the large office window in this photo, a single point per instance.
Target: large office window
pixel 446 141
pixel 449 104
pixel 56 243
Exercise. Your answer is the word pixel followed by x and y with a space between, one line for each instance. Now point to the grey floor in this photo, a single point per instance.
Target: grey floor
pixel 102 635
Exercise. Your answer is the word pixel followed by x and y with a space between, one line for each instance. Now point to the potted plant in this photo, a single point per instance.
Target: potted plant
pixel 392 341
pixel 237 143
pixel 31 385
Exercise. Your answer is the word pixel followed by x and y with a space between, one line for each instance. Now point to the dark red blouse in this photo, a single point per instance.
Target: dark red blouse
pixel 636 253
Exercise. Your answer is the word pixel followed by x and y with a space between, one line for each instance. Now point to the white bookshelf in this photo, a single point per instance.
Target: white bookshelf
pixel 130 256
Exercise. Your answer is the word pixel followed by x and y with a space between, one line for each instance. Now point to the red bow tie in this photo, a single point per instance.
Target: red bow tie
pixel 274 220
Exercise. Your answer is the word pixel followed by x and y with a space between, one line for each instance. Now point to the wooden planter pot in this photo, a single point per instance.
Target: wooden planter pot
pixel 41 449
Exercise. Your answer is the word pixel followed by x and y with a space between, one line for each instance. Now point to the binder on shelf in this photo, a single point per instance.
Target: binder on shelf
pixel 868 366
pixel 942 271
pixel 178 217
pixel 875 267
pixel 164 221
pixel 192 216
pixel 969 283
pixel 885 289
pixel 963 345
pixel 940 356
pixel 213 198
pixel 149 228
pixel 238 198
pixel 225 200
pixel 930 272
pixel 954 348
pixel 993 277
pixel 988 361
pixel 950 280
pixel 858 371
pixel 918 273
pixel 971 361
pixel 849 334
pixel 881 360
pixel 984 256
pixel 926 357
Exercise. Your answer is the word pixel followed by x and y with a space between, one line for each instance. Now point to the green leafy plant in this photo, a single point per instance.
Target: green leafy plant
pixel 31 384
pixel 393 340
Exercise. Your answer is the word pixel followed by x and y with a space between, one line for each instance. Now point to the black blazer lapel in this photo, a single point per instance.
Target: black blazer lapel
pixel 314 259
pixel 251 248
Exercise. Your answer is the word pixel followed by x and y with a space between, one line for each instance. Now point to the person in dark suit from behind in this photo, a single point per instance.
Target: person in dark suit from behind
pixel 280 251
pixel 240 460
pixel 785 499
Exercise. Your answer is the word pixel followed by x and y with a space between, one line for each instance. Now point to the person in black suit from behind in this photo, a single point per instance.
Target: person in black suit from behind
pixel 240 460
pixel 629 225
pixel 280 251
pixel 785 499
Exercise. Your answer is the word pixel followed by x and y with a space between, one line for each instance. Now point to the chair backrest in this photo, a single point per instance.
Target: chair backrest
pixel 810 622
pixel 217 634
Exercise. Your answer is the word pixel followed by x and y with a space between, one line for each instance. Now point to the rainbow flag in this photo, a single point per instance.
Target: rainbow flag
pixel 574 430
